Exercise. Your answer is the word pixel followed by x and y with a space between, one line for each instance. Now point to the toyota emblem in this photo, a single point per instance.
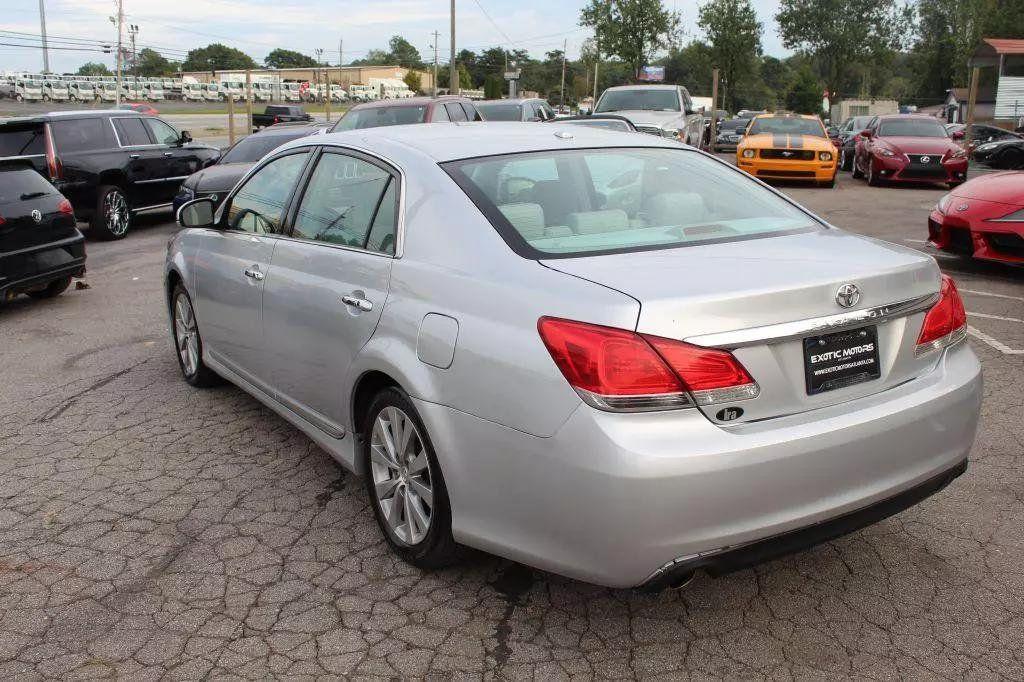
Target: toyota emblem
pixel 37 216
pixel 848 295
pixel 926 159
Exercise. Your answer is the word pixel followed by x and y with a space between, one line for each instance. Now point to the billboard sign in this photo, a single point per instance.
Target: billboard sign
pixel 652 74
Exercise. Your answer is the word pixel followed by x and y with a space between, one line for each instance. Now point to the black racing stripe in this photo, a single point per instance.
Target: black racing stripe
pixel 796 141
pixel 779 140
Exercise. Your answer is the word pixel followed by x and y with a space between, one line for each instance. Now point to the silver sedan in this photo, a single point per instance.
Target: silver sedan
pixel 601 354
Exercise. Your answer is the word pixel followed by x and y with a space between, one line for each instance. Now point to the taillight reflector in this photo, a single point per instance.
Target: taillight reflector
pixel 65 207
pixel 945 323
pixel 617 369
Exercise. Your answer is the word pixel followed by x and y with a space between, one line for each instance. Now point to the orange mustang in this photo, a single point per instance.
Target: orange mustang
pixel 788 147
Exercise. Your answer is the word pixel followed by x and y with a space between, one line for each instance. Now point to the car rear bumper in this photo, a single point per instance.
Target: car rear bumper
pixel 1003 242
pixel 37 266
pixel 622 499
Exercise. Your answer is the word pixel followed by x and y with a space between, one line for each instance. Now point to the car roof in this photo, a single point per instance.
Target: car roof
pixel 645 86
pixel 919 117
pixel 56 115
pixel 780 115
pixel 517 100
pixel 409 102
pixel 443 142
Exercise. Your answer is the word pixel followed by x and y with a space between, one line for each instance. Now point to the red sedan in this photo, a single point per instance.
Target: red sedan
pixel 141 107
pixel 909 149
pixel 983 218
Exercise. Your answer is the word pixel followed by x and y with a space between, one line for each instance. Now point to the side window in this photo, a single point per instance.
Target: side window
pixel 162 133
pixel 455 111
pixel 471 113
pixel 131 131
pixel 440 114
pixel 258 206
pixel 82 135
pixel 341 201
pixel 382 232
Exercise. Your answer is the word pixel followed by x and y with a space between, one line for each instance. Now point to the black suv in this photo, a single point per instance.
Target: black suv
pixel 109 164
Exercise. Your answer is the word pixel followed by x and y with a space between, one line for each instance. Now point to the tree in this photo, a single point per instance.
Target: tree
pixel 690 66
pixel 465 80
pixel 152 63
pixel 494 87
pixel 92 69
pixel 840 34
pixel 631 30
pixel 414 81
pixel 374 58
pixel 217 57
pixel 288 59
pixel 734 33
pixel 805 97
pixel 404 54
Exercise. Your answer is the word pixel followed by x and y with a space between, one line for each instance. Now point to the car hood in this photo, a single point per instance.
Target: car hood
pixel 644 117
pixel 1004 188
pixel 771 141
pixel 920 145
pixel 683 292
pixel 217 178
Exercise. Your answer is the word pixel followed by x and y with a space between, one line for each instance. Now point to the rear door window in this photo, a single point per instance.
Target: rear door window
pixel 440 114
pixel 131 132
pixel 456 112
pixel 82 135
pixel 471 112
pixel 22 141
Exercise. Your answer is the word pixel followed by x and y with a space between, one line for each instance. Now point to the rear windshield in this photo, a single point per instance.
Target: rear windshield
pixel 499 112
pixel 255 147
pixel 374 117
pixel 911 127
pixel 22 184
pixel 583 202
pixel 641 99
pixel 786 126
pixel 26 141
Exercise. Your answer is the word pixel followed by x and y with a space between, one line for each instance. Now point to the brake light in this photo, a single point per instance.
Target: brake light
pixel 620 370
pixel 277 119
pixel 53 164
pixel 65 207
pixel 945 323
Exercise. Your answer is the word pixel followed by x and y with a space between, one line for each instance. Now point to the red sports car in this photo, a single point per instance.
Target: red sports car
pixel 903 148
pixel 141 107
pixel 983 218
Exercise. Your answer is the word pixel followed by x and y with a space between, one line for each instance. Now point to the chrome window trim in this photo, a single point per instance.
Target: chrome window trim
pixel 785 331
pixel 171 179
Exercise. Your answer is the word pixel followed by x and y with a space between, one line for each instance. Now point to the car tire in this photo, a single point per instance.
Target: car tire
pixel 188 344
pixel 845 160
pixel 53 289
pixel 113 215
pixel 19 98
pixel 873 180
pixel 829 183
pixel 46 98
pixel 410 481
pixel 857 173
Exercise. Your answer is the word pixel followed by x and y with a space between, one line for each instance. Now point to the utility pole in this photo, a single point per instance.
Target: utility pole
pixel 565 46
pixel 42 33
pixel 133 30
pixel 120 49
pixel 597 63
pixel 713 131
pixel 341 53
pixel 453 69
pixel 436 36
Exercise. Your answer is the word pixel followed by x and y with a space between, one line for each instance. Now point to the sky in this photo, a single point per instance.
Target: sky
pixel 258 26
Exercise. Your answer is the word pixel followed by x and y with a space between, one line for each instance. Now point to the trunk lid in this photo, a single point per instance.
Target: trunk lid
pixel 761 298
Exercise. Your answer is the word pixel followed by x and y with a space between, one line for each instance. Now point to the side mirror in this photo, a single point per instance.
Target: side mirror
pixel 196 213
pixel 866 134
pixel 185 137
pixel 688 111
pixel 957 135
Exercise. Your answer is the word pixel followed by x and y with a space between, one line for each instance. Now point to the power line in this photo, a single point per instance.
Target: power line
pixel 493 22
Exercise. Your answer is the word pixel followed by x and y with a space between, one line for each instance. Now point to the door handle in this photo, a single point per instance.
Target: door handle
pixel 133 156
pixel 358 303
pixel 254 273
pixel 168 153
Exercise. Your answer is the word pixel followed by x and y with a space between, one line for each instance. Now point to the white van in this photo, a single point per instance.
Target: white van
pixel 81 91
pixel 362 93
pixel 26 90
pixel 291 92
pixel 152 91
pixel 211 92
pixel 193 91
pixel 55 90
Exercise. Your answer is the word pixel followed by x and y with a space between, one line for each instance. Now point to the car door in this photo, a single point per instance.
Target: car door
pixel 232 266
pixel 178 161
pixel 143 165
pixel 329 283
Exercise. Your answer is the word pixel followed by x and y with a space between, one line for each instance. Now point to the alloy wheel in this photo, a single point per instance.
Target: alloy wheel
pixel 401 475
pixel 115 208
pixel 186 335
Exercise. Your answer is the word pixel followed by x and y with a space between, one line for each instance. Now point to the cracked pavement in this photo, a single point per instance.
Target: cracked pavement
pixel 149 529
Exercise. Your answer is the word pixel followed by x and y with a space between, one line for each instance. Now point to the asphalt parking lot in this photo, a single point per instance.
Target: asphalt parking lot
pixel 149 529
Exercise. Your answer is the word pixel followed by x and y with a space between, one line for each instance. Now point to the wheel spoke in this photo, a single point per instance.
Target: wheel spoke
pixel 405 438
pixel 422 491
pixel 386 488
pixel 418 465
pixel 419 522
pixel 379 454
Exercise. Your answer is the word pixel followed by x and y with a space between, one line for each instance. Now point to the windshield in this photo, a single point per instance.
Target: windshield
pixel 640 99
pixel 911 127
pixel 255 147
pixel 374 117
pixel 581 202
pixel 786 126
pixel 607 123
pixel 499 112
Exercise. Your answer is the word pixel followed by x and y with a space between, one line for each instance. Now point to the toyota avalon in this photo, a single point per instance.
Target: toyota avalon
pixel 608 356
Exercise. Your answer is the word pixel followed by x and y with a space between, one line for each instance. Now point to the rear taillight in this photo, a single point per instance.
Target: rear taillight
pixel 65 207
pixel 53 164
pixel 945 323
pixel 276 119
pixel 616 369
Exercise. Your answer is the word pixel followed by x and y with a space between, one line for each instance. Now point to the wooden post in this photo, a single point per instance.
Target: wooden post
pixel 713 132
pixel 248 101
pixel 972 97
pixel 327 94
pixel 231 118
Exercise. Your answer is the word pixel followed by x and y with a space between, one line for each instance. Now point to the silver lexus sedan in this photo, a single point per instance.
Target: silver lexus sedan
pixel 605 355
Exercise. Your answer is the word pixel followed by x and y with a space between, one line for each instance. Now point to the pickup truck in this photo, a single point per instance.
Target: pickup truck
pixel 275 113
